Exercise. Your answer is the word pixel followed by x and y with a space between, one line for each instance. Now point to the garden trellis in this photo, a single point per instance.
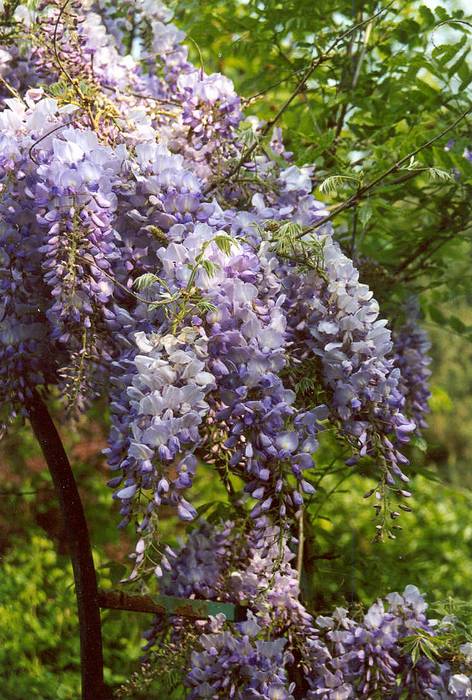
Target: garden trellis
pixel 160 249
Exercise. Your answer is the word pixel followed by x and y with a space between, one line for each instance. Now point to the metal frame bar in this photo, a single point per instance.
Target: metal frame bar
pixel 170 605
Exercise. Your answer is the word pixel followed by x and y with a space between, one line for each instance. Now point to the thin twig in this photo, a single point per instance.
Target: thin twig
pixel 202 65
pixel 56 52
pixel 61 67
pixel 11 89
pixel 246 101
pixel 163 100
pixel 30 152
pixel 115 281
pixel 301 542
pixel 357 71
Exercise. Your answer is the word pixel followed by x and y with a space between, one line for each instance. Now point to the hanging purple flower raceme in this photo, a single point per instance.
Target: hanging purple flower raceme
pixel 75 204
pixel 63 186
pixel 202 568
pixel 211 112
pixel 203 565
pixel 240 664
pixel 246 340
pixel 411 346
pixel 29 354
pixel 158 434
pixel 334 321
pixel 370 657
pixel 56 51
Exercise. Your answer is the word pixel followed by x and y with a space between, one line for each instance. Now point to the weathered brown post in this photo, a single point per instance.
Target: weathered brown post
pixel 76 530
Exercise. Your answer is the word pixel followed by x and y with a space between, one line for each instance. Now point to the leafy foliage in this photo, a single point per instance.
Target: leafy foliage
pixel 39 649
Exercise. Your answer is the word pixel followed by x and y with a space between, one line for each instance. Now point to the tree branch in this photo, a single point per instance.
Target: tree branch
pixel 430 245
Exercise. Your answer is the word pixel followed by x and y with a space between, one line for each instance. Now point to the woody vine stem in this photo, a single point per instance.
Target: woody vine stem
pixel 76 530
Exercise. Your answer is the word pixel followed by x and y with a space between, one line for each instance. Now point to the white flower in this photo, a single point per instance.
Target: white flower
pixel 294 178
pixel 22 14
pixel 127 492
pixel 374 615
pixel 466 649
pixel 459 686
pixel 287 441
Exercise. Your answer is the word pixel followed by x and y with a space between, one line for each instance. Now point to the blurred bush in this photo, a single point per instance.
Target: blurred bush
pixel 39 644
pixel 39 647
pixel 433 551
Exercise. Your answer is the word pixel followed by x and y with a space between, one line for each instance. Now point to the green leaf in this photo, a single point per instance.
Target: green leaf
pixel 145 281
pixel 248 136
pixel 206 507
pixel 426 15
pixel 364 214
pixel 462 60
pixel 206 306
pixel 209 267
pixel 420 443
pixel 224 242
pixel 457 325
pixel 436 315
pixel 439 174
pixel 333 183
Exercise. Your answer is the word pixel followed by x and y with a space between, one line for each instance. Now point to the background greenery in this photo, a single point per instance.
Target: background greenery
pixel 397 83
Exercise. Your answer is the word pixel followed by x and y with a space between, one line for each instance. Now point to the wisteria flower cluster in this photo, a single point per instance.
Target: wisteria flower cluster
pixel 412 346
pixel 239 664
pixel 330 657
pixel 146 253
pixel 147 269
